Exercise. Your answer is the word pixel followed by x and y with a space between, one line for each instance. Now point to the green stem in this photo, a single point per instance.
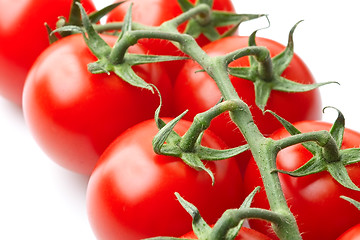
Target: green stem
pixel 113 26
pixel 234 216
pixel 261 147
pixel 264 150
pixel 201 122
pixel 330 150
pixel 262 56
pixel 201 9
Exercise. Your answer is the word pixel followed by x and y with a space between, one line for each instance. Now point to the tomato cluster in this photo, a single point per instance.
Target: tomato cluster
pixel 101 126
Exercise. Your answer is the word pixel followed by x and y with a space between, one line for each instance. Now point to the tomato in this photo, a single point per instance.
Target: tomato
pixel 352 233
pixel 73 114
pixel 197 92
pixel 314 199
pixel 130 194
pixel 23 37
pixel 154 13
pixel 244 234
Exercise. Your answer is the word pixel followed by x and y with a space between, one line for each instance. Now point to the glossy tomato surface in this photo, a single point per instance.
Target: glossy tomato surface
pixel 23 37
pixel 73 114
pixel 315 199
pixel 197 91
pixel 352 233
pixel 131 191
pixel 244 234
pixel 154 13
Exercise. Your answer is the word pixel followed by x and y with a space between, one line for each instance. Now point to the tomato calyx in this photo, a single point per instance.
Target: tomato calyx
pixel 228 225
pixel 352 201
pixel 188 147
pixel 327 153
pixel 122 64
pixel 266 75
pixel 206 23
pixel 75 19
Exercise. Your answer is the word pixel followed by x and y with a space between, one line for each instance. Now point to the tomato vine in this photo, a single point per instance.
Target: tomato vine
pixel 265 72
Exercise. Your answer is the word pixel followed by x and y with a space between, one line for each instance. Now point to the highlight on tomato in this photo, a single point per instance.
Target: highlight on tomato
pixel 74 114
pixel 315 200
pixel 352 233
pixel 23 37
pixel 130 194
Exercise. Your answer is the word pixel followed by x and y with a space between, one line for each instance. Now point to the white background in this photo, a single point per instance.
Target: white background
pixel 40 200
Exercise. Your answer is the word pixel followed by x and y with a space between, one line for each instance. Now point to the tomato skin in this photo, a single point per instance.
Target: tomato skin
pixel 244 234
pixel 352 233
pixel 314 199
pixel 154 13
pixel 73 114
pixel 197 92
pixel 131 191
pixel 23 37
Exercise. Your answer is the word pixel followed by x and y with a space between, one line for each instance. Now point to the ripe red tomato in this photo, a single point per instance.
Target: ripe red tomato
pixel 154 13
pixel 244 234
pixel 23 37
pixel 197 92
pixel 73 114
pixel 314 199
pixel 352 233
pixel 131 191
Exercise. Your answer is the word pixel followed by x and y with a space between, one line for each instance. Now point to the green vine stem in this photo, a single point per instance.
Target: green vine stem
pixel 330 150
pixel 202 121
pixel 264 150
pixel 217 67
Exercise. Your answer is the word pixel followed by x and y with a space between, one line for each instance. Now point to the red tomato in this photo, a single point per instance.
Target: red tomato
pixel 131 191
pixel 23 37
pixel 314 199
pixel 244 234
pixel 352 233
pixel 197 92
pixel 73 114
pixel 154 13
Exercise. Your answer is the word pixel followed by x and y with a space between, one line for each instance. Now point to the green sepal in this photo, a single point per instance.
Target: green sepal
pixel 167 142
pixel 97 15
pixel 232 232
pixel 202 230
pixel 194 161
pixel 310 146
pixel 282 60
pixel 102 51
pixel 96 44
pixel 338 128
pixel 317 163
pixel 165 132
pixel 137 59
pixel 199 225
pixel 210 154
pixel 264 87
pixel 127 25
pixel 340 174
pixel 352 201
pixel 125 72
pixel 76 19
pixel 314 165
pixel 350 155
pixel 207 27
pixel 52 37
